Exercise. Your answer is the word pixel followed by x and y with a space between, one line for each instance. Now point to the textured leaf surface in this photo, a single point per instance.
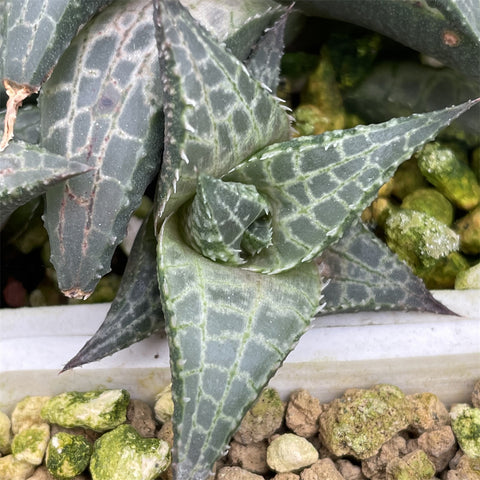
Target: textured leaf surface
pixel 264 61
pixel 363 275
pixel 38 32
pixel 444 29
pixel 216 115
pixel 218 217
pixel 402 88
pixel 101 106
pixel 229 330
pixel 136 311
pixel 27 126
pixel 317 185
pixel 27 171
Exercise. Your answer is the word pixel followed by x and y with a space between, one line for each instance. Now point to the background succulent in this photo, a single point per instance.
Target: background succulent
pixel 247 223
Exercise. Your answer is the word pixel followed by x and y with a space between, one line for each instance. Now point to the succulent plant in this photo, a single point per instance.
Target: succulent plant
pixel 253 233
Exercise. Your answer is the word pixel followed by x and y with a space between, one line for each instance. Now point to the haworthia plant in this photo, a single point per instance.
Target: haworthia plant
pixel 35 36
pixel 234 194
pixel 101 107
pixel 447 30
pixel 361 274
pixel 27 171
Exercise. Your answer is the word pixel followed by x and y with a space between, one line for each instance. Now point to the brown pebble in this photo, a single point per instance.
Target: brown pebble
pixel 439 445
pixel 286 476
pixel 323 469
pixel 166 432
pixel 237 473
pixel 140 417
pixel 349 471
pixel 467 469
pixel 374 467
pixel 251 457
pixel 427 413
pixel 302 413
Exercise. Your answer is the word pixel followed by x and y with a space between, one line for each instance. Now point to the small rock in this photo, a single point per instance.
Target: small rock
pixel 427 412
pixel 263 419
pixel 140 417
pixel 30 444
pixel 27 413
pixel 467 469
pixel 11 469
pixel 289 453
pixel 166 433
pixel 439 445
pixel 122 454
pixel 374 467
pixel 67 455
pixel 476 395
pixel 466 426
pixel 323 469
pixel 468 279
pixel 98 410
pixel 236 473
pixel 286 476
pixel 361 421
pixel 251 457
pixel 41 473
pixel 302 413
pixel 413 466
pixel 5 435
pixel 87 433
pixel 349 471
pixel 164 405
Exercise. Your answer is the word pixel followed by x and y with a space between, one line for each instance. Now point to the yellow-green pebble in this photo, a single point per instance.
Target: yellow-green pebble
pixel 413 466
pixel 466 426
pixel 67 455
pixel 12 469
pixel 5 435
pixel 469 278
pixel 30 444
pixel 468 227
pixel 431 202
pixel 163 407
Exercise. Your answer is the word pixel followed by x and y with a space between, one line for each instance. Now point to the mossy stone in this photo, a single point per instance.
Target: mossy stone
pixel 466 426
pixel 413 466
pixel 12 469
pixel 361 421
pixel 431 202
pixel 97 410
pixel 30 444
pixel 67 455
pixel 27 412
pixel 5 436
pixel 122 454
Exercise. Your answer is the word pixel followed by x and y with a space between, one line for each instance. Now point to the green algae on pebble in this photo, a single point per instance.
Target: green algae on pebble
pixel 263 419
pixel 418 238
pixel 468 228
pixel 5 435
pixel 407 179
pixel 431 202
pixel 468 279
pixel 413 466
pixel 97 410
pixel 444 272
pixel 27 412
pixel 30 444
pixel 466 426
pixel 67 455
pixel 122 454
pixel 452 177
pixel 361 421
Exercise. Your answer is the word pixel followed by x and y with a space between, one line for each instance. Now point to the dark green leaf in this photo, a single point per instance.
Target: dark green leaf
pixel 229 330
pixel 216 115
pixel 363 275
pixel 444 29
pixel 317 185
pixel 101 106
pixel 27 126
pixel 27 171
pixel 136 311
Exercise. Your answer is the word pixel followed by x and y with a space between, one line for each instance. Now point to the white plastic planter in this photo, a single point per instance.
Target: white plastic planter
pixel 416 352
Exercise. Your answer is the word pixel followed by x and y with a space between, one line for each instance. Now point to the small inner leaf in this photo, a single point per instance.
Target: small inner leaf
pixel 218 217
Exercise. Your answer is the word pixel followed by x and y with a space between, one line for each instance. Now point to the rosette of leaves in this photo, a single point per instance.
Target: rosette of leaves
pixel 228 260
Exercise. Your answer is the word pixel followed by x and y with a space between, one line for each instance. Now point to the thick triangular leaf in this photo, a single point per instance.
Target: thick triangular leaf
pixel 136 311
pixel 444 29
pixel 363 275
pixel 35 35
pixel 388 91
pixel 102 106
pixel 216 115
pixel 264 62
pixel 229 330
pixel 27 125
pixel 27 171
pixel 317 185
